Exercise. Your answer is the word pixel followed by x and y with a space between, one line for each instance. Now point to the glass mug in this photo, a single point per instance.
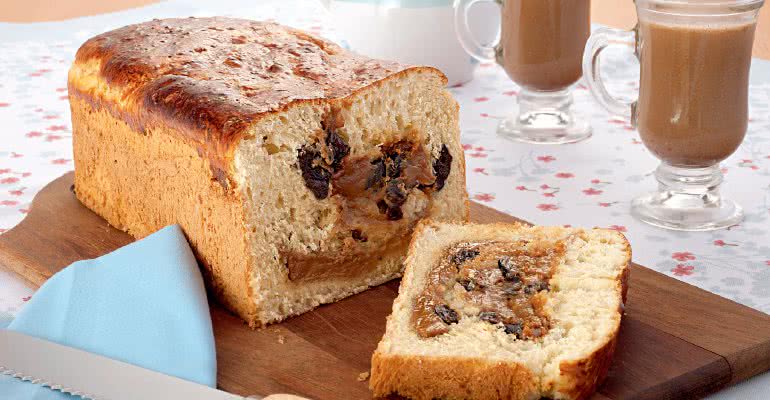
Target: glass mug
pixel 692 110
pixel 540 46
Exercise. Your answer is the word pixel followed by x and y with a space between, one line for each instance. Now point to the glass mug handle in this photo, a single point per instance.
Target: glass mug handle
pixel 600 40
pixel 480 51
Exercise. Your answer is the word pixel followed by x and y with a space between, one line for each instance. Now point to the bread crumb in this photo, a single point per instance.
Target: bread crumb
pixel 281 339
pixel 363 376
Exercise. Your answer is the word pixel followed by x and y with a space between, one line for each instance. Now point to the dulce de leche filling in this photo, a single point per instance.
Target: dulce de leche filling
pixel 371 192
pixel 501 283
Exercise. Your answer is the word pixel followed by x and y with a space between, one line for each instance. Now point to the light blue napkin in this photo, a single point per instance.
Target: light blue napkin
pixel 143 304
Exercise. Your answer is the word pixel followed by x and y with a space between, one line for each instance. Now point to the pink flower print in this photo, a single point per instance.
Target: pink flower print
pixel 546 159
pixel 9 180
pixel 767 263
pixel 722 243
pixel 481 171
pixel 481 99
pixel 605 204
pixel 592 192
pixel 754 167
pixel 8 203
pixel 61 89
pixel 33 134
pixel 565 175
pixel 16 192
pixel 596 181
pixel 581 86
pixel 24 210
pixel 484 115
pixel 523 188
pixel 60 161
pixel 16 155
pixel 5 170
pixel 467 147
pixel 65 97
pixel 479 148
pixel 25 174
pixel 683 256
pixel 724 170
pixel 510 93
pixel 547 207
pixel 485 197
pixel 50 116
pixel 544 186
pixel 683 270
pixel 4 104
pixel 549 194
pixel 478 154
pixel 57 128
pixel 51 138
pixel 619 228
pixel 26 298
pixel 39 72
pixel 746 161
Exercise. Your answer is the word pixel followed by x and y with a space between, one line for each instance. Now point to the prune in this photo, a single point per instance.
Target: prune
pixel 337 148
pixel 316 177
pixel 464 255
pixel 448 315
pixel 509 269
pixel 442 167
pixel 358 235
pixel 395 196
pixel 514 329
pixel 489 316
pixel 375 180
pixel 537 286
pixel 394 213
pixel 468 284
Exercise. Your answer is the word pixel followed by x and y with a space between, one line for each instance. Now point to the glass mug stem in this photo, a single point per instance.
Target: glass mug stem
pixel 543 116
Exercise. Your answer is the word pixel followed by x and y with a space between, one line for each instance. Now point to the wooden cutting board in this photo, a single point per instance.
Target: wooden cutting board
pixel 676 341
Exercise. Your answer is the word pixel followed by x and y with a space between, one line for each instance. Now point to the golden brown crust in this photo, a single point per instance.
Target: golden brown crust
pixel 427 378
pixel 579 379
pixel 212 78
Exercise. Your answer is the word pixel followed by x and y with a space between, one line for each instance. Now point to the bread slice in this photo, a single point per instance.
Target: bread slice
pixel 477 359
pixel 297 170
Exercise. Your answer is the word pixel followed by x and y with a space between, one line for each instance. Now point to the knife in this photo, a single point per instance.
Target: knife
pixel 92 376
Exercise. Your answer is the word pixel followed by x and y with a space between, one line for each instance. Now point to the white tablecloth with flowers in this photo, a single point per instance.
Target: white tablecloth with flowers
pixel 585 184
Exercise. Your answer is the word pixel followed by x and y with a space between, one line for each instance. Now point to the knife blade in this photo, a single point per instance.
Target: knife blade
pixel 92 376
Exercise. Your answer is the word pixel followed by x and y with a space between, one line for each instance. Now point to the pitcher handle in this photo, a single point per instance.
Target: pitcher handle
pixel 479 51
pixel 600 40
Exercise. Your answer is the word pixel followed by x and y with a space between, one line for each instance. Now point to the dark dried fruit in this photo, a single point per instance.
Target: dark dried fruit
pixel 514 329
pixel 316 177
pixel 509 269
pixel 358 235
pixel 394 213
pixel 537 286
pixel 468 284
pixel 464 255
pixel 448 315
pixel 512 290
pixel 395 195
pixel 375 180
pixel 394 165
pixel 442 167
pixel 489 316
pixel 337 148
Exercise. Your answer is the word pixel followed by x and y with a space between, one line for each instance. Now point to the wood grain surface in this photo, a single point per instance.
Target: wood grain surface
pixel 676 341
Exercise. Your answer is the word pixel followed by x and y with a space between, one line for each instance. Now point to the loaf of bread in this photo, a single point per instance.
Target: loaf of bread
pixel 297 170
pixel 503 312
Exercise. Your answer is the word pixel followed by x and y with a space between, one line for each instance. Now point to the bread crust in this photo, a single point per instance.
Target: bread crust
pixel 213 78
pixel 420 377
pixel 427 378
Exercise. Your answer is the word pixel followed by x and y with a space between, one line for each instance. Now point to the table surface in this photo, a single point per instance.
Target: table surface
pixel 617 13
pixel 587 184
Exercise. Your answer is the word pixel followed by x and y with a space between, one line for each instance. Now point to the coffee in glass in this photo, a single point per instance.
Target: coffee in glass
pixel 692 110
pixel 541 48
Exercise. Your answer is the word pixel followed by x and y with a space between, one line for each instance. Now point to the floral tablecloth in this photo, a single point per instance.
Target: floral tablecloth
pixel 585 184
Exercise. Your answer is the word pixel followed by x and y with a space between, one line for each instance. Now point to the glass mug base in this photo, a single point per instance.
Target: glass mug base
pixel 688 200
pixel 545 118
